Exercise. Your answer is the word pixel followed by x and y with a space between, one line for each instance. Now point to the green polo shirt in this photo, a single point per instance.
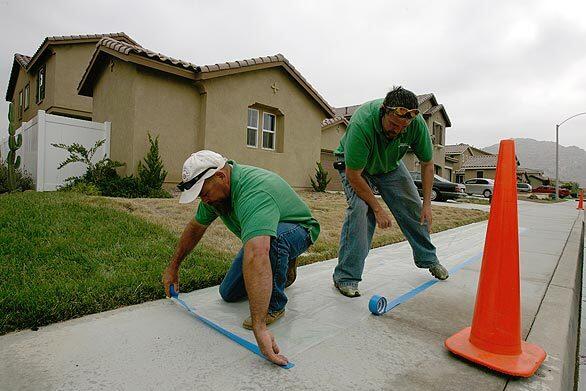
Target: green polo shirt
pixel 260 201
pixel 364 145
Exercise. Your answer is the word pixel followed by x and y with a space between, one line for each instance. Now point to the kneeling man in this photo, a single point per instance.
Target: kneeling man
pixel 273 223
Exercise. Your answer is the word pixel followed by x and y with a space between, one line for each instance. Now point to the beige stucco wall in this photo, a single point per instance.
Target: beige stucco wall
pixel 114 100
pixel 331 135
pixel 167 106
pixel 31 78
pixel 71 62
pixel 228 99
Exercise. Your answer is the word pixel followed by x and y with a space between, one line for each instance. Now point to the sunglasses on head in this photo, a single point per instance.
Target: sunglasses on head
pixel 190 183
pixel 401 112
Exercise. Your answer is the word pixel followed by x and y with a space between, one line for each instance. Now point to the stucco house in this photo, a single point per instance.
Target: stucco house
pixel 437 121
pixel 457 155
pixel 258 111
pixel 48 79
pixel 332 130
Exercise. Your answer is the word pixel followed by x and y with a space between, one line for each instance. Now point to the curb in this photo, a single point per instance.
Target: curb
pixel 556 325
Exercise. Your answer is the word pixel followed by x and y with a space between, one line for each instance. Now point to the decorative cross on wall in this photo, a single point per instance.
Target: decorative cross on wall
pixel 275 88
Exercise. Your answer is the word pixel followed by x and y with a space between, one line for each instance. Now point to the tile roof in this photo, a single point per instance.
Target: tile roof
pixel 456 149
pixel 22 59
pixel 346 111
pixel 488 161
pixel 332 121
pixel 423 98
pixel 126 48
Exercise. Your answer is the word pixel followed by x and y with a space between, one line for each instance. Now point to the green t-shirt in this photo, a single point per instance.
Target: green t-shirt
pixel 260 201
pixel 364 145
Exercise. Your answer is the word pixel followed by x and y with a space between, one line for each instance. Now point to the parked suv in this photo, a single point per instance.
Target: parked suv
pixel 442 189
pixel 480 186
pixel 524 187
pixel 551 189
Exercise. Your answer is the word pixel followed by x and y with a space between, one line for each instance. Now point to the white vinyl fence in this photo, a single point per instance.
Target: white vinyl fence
pixel 40 159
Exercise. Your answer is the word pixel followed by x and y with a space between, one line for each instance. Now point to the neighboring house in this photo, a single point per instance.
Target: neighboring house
pixel 457 155
pixel 259 111
pixel 332 130
pixel 481 166
pixel 437 121
pixel 48 80
pixel 524 173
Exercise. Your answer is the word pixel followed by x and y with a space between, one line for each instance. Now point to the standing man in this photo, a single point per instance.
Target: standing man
pixel 378 136
pixel 273 223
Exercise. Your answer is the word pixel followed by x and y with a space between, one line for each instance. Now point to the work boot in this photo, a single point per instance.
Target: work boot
pixel 439 272
pixel 291 272
pixel 271 317
pixel 347 290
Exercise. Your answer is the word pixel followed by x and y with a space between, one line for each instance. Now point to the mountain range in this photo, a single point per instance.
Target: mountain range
pixel 541 155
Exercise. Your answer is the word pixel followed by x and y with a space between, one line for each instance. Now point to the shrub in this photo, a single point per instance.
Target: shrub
pixel 321 179
pixel 152 174
pixel 22 180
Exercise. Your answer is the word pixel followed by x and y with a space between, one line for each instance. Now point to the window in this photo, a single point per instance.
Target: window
pixel 459 178
pixel 438 133
pixel 470 182
pixel 41 84
pixel 479 174
pixel 20 105
pixel 252 128
pixel 27 96
pixel 269 123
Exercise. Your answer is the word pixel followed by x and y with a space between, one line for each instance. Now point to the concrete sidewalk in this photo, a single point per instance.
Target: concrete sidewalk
pixel 335 343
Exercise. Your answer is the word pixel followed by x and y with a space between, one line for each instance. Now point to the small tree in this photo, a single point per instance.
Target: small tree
pixel 152 174
pixel 79 153
pixel 321 179
pixel 14 142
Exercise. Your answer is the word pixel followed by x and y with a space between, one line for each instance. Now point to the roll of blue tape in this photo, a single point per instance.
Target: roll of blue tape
pixel 377 305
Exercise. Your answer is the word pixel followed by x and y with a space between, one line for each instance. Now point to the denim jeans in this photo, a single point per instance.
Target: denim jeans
pixel 291 241
pixel 400 194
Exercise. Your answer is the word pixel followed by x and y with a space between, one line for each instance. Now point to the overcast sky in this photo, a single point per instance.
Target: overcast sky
pixel 501 68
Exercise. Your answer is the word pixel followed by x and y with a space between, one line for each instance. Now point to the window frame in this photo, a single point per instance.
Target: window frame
pixel 481 172
pixel 249 127
pixel 41 87
pixel 273 132
pixel 20 104
pixel 27 96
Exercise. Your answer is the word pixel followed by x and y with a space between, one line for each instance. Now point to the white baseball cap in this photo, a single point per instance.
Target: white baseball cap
pixel 197 168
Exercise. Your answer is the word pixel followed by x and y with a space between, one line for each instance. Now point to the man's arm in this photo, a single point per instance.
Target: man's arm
pixel 364 191
pixel 191 236
pixel 258 278
pixel 427 183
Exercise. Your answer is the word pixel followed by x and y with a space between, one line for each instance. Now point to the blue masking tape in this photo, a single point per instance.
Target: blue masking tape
pixel 239 340
pixel 379 305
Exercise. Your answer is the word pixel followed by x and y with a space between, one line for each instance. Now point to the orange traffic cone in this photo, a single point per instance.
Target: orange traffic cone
pixel 581 200
pixel 494 340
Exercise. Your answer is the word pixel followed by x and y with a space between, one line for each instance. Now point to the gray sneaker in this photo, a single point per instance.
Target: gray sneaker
pixel 347 290
pixel 439 272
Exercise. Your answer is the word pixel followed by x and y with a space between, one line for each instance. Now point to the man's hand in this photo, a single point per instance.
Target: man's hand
pixel 268 346
pixel 426 216
pixel 383 218
pixel 171 276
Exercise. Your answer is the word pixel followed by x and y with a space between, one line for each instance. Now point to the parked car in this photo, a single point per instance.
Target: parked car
pixel 551 190
pixel 524 187
pixel 479 186
pixel 441 190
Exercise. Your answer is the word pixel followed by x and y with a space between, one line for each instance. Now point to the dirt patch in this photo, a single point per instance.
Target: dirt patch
pixel 328 208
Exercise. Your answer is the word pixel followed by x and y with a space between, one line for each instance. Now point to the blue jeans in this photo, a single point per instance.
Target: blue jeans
pixel 291 241
pixel 400 194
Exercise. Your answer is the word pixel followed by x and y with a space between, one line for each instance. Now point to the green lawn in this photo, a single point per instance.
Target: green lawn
pixel 63 256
